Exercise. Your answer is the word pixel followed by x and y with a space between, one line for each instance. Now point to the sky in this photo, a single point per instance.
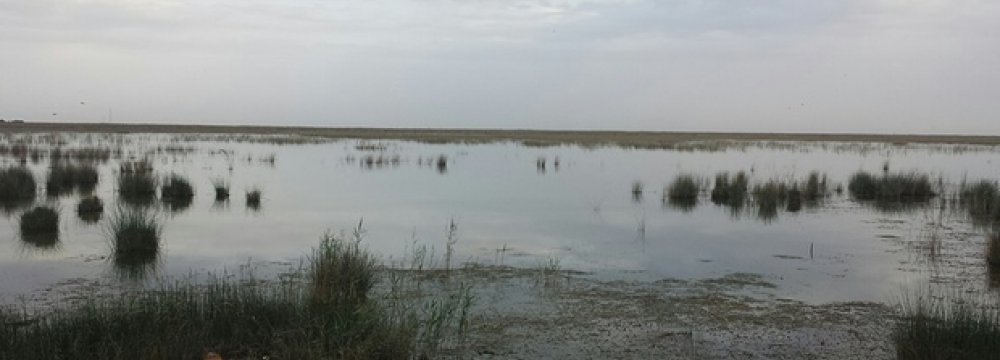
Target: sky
pixel 875 66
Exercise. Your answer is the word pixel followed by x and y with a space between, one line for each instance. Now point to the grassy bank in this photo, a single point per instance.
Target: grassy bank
pixel 330 312
pixel 947 328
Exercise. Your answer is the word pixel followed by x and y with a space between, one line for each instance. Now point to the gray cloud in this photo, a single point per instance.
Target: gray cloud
pixel 781 65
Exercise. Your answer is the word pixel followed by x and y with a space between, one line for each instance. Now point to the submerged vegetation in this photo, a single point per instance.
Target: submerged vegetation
pixel 331 315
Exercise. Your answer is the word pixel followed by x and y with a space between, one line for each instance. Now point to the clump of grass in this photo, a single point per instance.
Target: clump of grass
pixel 65 178
pixel 176 188
pixel 728 191
pixel 442 164
pixel 17 184
pixel 890 187
pixel 221 189
pixel 769 197
pixel 90 208
pixel 137 188
pixel 815 187
pixel 341 273
pixel 253 198
pixel 946 328
pixel 40 227
pixel 176 193
pixel 135 239
pixel 683 192
pixel 993 251
pixel 982 201
pixel 684 187
pixel 40 220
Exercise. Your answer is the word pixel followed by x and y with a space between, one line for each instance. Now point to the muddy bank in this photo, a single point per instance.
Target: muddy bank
pixel 636 139
pixel 525 314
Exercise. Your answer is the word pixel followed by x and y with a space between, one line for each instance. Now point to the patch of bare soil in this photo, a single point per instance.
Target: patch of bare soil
pixel 733 317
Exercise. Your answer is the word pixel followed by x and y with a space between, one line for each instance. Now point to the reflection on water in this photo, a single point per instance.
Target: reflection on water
pixel 757 209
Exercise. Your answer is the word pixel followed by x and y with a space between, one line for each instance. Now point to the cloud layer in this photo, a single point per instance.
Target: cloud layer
pixel 713 65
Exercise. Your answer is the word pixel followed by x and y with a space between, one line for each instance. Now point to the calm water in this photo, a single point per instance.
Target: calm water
pixel 509 211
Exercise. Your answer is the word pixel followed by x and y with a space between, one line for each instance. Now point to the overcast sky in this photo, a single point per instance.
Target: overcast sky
pixel 888 66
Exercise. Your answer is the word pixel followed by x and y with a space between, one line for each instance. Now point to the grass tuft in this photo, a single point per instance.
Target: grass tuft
pixel 993 252
pixel 221 189
pixel 17 184
pixel 730 192
pixel 176 193
pixel 683 192
pixel 902 187
pixel 135 240
pixel 253 198
pixel 945 328
pixel 40 220
pixel 90 209
pixel 65 178
pixel 982 201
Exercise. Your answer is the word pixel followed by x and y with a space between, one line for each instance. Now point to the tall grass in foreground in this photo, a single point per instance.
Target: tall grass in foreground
pixel 331 316
pixel 947 328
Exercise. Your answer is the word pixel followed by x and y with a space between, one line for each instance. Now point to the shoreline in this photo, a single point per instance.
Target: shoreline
pixel 637 139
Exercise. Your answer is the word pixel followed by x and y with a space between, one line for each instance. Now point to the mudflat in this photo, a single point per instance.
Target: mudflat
pixel 637 139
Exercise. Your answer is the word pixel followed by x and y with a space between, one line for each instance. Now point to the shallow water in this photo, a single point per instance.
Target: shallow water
pixel 580 215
